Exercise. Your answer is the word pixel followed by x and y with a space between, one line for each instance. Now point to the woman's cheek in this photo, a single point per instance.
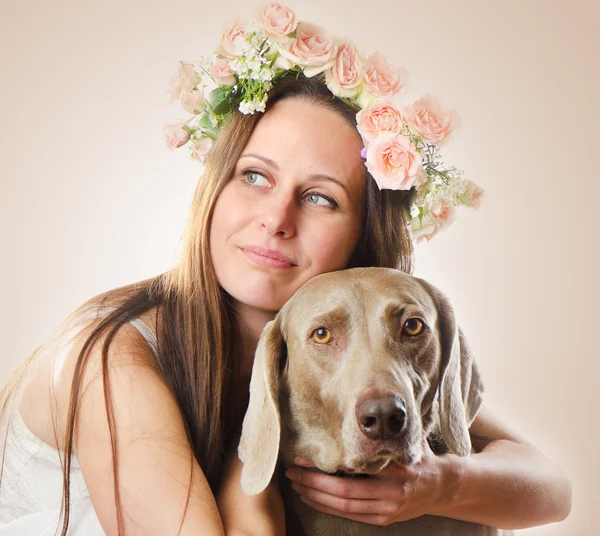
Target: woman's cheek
pixel 335 246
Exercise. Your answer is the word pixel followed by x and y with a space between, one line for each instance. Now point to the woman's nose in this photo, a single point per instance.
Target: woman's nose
pixel 279 216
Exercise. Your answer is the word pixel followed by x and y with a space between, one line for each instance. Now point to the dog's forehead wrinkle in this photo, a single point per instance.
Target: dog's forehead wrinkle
pixel 402 305
pixel 342 319
pixel 339 314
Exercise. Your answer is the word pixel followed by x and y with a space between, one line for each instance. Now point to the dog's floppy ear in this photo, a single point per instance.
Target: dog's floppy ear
pixel 460 386
pixel 261 430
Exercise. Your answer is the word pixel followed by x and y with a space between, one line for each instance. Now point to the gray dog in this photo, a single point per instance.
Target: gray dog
pixel 359 369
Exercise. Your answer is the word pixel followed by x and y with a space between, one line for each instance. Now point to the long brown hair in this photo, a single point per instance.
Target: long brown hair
pixel 199 340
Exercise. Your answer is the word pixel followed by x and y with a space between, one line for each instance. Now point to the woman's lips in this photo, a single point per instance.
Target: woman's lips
pixel 267 257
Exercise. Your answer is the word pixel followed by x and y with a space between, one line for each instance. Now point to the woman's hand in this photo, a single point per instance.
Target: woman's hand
pixel 507 483
pixel 396 493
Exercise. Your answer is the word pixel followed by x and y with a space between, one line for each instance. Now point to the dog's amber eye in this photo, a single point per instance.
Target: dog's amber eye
pixel 321 335
pixel 413 326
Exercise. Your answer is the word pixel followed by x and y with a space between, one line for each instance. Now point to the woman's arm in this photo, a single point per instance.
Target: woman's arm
pixel 509 484
pixel 257 515
pixel 158 475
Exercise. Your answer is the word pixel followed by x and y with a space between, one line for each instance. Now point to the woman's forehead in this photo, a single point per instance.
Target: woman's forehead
pixel 298 133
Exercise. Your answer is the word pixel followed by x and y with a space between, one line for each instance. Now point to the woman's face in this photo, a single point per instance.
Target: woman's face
pixel 293 208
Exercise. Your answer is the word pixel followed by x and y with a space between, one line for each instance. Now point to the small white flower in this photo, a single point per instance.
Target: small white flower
pixel 254 65
pixel 247 107
pixel 250 54
pixel 240 45
pixel 266 74
pixel 237 67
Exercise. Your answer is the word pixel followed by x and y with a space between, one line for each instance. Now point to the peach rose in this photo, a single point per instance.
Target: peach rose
pixel 422 189
pixel 185 79
pixel 475 195
pixel 423 231
pixel 200 149
pixel 382 117
pixel 380 78
pixel 443 211
pixel 429 120
pixel 345 76
pixel 393 162
pixel 222 74
pixel 175 135
pixel 192 101
pixel 277 20
pixel 227 45
pixel 312 49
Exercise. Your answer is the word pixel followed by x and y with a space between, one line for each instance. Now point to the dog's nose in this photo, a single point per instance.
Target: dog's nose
pixel 381 418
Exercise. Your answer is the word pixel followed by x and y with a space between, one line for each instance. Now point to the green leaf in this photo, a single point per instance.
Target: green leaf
pixel 216 98
pixel 205 122
pixel 223 108
pixel 206 125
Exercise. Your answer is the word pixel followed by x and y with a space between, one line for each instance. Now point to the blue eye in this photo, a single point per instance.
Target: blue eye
pixel 253 177
pixel 314 198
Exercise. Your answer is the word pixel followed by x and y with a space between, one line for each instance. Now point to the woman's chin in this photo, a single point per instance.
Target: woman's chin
pixel 261 298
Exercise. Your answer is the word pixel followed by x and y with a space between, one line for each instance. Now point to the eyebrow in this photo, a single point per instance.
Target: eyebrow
pixel 314 176
pixel 399 309
pixel 339 316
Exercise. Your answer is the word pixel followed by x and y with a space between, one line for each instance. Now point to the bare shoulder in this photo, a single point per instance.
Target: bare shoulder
pixel 129 423
pixel 45 397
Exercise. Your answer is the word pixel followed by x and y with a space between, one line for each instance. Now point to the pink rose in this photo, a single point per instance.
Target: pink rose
pixel 437 215
pixel 200 149
pixel 393 162
pixel 192 101
pixel 382 117
pixel 276 20
pixel 443 211
pixel 185 79
pixel 380 78
pixel 429 120
pixel 422 190
pixel 345 76
pixel 175 135
pixel 313 49
pixel 227 45
pixel 424 231
pixel 475 195
pixel 222 74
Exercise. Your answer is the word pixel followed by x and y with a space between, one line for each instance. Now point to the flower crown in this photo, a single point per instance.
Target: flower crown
pixel 400 144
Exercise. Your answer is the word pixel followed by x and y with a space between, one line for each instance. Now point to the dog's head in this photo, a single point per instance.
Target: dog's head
pixel 357 367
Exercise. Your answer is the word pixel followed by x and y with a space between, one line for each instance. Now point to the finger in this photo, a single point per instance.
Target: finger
pixel 341 486
pixel 397 471
pixel 304 462
pixel 343 505
pixel 345 486
pixel 371 519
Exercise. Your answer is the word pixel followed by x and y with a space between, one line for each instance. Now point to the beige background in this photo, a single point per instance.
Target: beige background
pixel 91 199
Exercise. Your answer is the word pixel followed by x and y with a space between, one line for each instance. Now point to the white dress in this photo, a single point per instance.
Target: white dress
pixel 32 479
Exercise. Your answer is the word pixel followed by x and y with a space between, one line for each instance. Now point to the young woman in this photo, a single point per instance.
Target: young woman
pixel 129 416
